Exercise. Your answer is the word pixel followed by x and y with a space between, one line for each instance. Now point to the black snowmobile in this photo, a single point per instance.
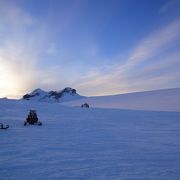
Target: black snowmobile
pixel 2 126
pixel 32 119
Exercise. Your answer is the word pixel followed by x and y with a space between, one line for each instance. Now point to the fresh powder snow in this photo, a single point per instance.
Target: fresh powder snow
pixel 79 143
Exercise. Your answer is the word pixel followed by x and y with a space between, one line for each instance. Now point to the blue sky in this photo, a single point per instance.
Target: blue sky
pixel 99 47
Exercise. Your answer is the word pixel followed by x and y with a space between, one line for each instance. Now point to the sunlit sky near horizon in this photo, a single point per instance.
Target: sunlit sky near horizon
pixel 98 47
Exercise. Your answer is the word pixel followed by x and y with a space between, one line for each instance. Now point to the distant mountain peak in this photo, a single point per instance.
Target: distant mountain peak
pixel 66 94
pixel 69 90
pixel 38 90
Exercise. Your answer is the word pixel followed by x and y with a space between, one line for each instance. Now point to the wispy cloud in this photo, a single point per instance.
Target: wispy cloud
pixel 133 75
pixel 156 42
pixel 21 40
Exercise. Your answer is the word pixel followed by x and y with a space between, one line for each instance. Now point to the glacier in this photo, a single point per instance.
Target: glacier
pixel 94 143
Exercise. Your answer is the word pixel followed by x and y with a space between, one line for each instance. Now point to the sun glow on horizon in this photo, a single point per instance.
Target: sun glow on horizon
pixel 9 82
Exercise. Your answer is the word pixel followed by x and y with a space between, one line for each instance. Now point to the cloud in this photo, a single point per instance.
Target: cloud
pixel 156 42
pixel 153 55
pixel 22 38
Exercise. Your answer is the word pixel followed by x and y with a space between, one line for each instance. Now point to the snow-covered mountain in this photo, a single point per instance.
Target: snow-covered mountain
pixel 66 94
pixel 156 100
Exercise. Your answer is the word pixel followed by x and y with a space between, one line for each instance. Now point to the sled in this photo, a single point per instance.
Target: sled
pixel 2 126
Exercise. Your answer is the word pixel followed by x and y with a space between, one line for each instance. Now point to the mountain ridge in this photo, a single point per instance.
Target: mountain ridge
pixel 65 94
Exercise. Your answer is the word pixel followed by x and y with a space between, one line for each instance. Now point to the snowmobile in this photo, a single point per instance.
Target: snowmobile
pixel 32 119
pixel 85 105
pixel 2 126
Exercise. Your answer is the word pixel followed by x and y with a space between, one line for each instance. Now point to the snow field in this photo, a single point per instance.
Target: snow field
pixel 157 100
pixel 77 143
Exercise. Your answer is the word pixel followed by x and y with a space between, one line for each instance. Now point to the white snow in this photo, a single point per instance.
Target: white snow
pixel 38 94
pixel 78 143
pixel 157 100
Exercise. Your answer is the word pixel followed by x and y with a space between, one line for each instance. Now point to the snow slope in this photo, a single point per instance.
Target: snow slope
pixel 157 100
pixel 77 143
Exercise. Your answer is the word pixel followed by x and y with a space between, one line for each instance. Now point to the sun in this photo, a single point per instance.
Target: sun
pixel 8 82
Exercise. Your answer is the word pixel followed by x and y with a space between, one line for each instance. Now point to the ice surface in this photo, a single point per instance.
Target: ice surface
pixel 158 100
pixel 78 143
